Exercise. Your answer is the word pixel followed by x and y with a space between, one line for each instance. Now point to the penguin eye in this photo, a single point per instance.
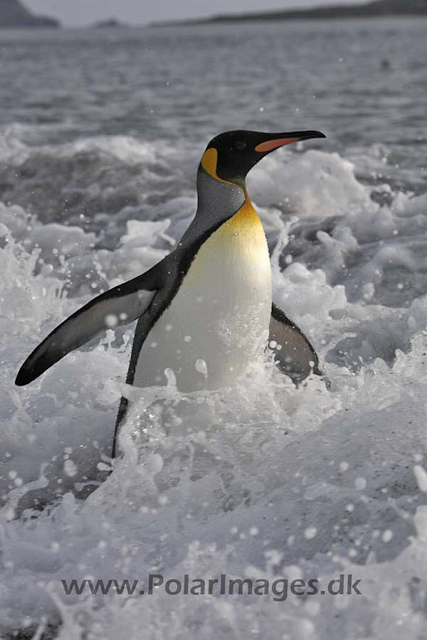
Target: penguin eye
pixel 239 145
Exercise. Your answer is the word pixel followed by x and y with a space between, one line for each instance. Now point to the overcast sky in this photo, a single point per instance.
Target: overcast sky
pixel 83 12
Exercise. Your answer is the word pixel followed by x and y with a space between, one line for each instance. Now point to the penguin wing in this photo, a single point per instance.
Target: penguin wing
pixel 118 306
pixel 294 354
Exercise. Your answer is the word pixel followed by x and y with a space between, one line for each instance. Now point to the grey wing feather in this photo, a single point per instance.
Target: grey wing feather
pixel 294 354
pixel 121 305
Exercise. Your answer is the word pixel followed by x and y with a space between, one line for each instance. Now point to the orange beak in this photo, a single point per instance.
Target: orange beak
pixel 281 140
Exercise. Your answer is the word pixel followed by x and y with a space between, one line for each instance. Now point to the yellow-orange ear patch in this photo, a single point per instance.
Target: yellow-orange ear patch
pixel 209 162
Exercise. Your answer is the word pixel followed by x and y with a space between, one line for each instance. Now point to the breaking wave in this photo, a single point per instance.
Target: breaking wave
pixel 259 480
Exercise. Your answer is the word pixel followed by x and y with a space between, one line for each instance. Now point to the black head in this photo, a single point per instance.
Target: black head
pixel 231 155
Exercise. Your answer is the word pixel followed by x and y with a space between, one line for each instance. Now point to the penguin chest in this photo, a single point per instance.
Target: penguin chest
pixel 218 322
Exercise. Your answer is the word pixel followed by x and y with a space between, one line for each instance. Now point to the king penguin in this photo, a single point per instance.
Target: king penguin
pixel 205 311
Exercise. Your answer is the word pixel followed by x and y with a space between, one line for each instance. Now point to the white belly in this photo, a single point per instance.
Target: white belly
pixel 218 322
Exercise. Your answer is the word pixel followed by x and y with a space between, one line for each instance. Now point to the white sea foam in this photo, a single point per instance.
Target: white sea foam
pixel 209 470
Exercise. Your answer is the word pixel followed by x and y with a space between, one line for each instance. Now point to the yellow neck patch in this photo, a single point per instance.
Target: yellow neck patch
pixel 240 241
pixel 246 221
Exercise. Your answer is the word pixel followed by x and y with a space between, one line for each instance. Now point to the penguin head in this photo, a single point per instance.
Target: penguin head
pixel 231 155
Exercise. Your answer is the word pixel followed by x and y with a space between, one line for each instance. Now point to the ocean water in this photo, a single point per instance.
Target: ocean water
pixel 100 136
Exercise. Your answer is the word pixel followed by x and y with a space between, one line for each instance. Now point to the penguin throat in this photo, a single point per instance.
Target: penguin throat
pixel 240 181
pixel 217 201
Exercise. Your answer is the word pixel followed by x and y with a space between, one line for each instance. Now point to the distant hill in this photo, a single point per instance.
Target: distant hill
pixel 14 14
pixel 111 23
pixel 377 8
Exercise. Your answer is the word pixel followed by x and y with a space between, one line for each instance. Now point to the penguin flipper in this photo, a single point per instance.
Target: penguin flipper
pixel 294 354
pixel 118 306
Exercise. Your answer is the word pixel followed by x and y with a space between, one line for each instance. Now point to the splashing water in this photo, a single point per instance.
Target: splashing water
pixel 261 480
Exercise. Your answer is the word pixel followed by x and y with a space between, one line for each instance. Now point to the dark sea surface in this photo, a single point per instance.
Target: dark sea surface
pixel 101 132
pixel 187 83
